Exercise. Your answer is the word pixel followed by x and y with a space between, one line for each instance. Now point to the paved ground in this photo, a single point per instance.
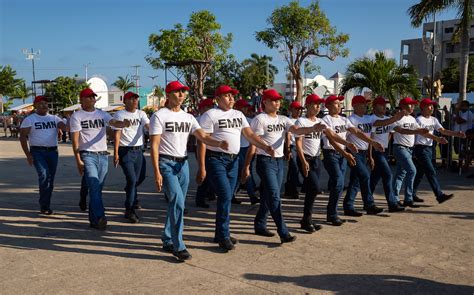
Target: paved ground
pixel 426 251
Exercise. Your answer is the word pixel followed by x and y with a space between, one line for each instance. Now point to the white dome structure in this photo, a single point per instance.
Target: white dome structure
pixel 100 88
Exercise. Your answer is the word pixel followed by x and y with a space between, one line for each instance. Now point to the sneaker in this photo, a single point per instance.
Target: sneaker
pixel 395 208
pixel 336 221
pixel 374 210
pixel 232 239
pixel 226 245
pixel 287 239
pixel 264 233
pixel 46 211
pixel 417 199
pixel 168 248
pixel 131 216
pixel 353 213
pixel 183 255
pixel 101 224
pixel 410 204
pixel 444 198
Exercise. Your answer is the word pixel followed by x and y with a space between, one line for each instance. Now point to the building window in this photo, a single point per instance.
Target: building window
pixel 449 30
pixel 450 48
pixel 406 49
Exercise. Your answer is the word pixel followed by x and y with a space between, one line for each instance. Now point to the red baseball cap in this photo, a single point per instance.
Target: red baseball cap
pixel 333 98
pixel 87 93
pixel 380 100
pixel 242 103
pixel 358 99
pixel 271 94
pixel 129 95
pixel 224 89
pixel 40 98
pixel 208 102
pixel 174 86
pixel 407 100
pixel 296 105
pixel 426 102
pixel 313 98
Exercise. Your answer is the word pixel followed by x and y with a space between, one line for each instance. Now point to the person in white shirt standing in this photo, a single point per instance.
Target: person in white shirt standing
pixel 40 130
pixel 292 176
pixel 170 128
pixel 464 120
pixel 89 144
pixel 128 150
pixel 226 124
pixel 423 150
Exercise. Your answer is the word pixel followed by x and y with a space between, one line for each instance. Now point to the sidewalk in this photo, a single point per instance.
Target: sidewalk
pixel 429 250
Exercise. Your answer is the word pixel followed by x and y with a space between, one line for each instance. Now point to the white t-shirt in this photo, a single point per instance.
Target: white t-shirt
pixel 92 127
pixel 364 124
pixel 431 124
pixel 174 128
pixel 43 129
pixel 272 131
pixel 407 122
pixel 243 141
pixel 381 134
pixel 133 135
pixel 339 125
pixel 469 117
pixel 311 141
pixel 292 136
pixel 224 125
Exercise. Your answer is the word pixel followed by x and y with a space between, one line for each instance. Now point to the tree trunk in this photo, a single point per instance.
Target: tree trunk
pixel 299 86
pixel 463 64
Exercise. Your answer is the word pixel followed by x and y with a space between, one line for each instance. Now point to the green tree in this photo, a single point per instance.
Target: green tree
pixel 257 71
pixel 227 72
pixel 450 76
pixel 300 33
pixel 65 91
pixel 123 83
pixel 8 85
pixel 199 41
pixel 425 8
pixel 382 76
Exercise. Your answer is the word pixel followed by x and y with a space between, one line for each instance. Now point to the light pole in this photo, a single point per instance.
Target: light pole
pixel 432 49
pixel 32 55
pixel 86 66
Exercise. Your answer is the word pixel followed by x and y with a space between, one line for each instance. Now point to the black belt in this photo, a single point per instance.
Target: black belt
pixel 133 148
pixel 310 158
pixel 220 154
pixel 329 151
pixel 173 158
pixel 44 148
pixel 103 153
pixel 401 145
pixel 268 157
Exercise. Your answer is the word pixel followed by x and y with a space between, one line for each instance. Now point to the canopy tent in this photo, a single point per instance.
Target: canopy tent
pixel 22 107
pixel 113 108
pixel 72 108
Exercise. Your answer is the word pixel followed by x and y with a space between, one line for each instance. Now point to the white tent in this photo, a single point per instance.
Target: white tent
pixel 72 108
pixel 20 107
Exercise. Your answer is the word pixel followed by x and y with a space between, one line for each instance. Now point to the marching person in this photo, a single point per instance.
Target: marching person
pixel 128 150
pixel 292 176
pixel 272 128
pixel 225 124
pixel 89 143
pixel 309 149
pixel 169 132
pixel 379 160
pixel 423 149
pixel 403 141
pixel 39 141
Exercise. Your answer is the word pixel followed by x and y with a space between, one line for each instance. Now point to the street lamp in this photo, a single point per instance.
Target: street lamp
pixel 32 55
pixel 432 49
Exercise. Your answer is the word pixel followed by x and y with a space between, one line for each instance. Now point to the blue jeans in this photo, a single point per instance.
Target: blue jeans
pixel 175 186
pixel 292 177
pixel 406 170
pixel 131 162
pixel 335 165
pixel 222 173
pixel 250 183
pixel 95 170
pixel 311 186
pixel 45 163
pixel 382 170
pixel 359 180
pixel 270 171
pixel 423 155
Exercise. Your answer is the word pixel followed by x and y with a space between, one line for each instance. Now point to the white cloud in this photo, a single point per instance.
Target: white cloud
pixel 371 52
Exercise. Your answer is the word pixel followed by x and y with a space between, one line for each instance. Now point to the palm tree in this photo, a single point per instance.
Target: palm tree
pixel 382 76
pixel 123 83
pixel 421 11
pixel 262 68
pixel 22 91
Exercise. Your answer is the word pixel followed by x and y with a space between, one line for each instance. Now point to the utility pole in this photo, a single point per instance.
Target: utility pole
pixel 136 77
pixel 32 55
pixel 86 66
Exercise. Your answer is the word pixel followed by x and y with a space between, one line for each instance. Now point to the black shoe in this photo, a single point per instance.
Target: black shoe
pixel 373 210
pixel 202 205
pixel 83 204
pixel 336 221
pixel 183 255
pixel 395 208
pixel 444 198
pixel 131 216
pixel 410 204
pixel 418 200
pixel 235 201
pixel 317 226
pixel 46 211
pixel 264 233
pixel 288 239
pixel 232 239
pixel 101 224
pixel 168 248
pixel 400 204
pixel 137 205
pixel 226 245
pixel 307 226
pixel 254 200
pixel 352 213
